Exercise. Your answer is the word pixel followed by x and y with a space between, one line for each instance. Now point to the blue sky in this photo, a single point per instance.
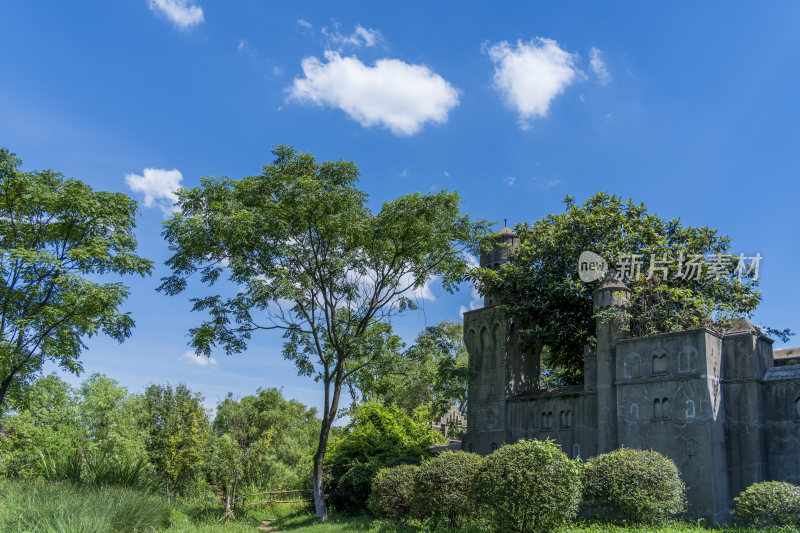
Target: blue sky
pixel 689 107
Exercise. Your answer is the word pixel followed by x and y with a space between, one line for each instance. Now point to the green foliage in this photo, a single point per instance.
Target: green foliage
pixel 432 374
pixel 43 420
pixel 542 291
pixel 771 503
pixel 278 437
pixel 176 427
pixel 350 492
pixel 51 507
pixel 633 487
pixel 307 256
pixel 377 436
pixel 109 415
pixel 443 488
pixel 392 492
pixel 528 486
pixel 95 470
pixel 58 237
pixel 61 468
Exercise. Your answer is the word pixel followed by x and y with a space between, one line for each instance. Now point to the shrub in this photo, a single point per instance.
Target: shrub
pixel 376 437
pixel 392 492
pixel 527 486
pixel 633 487
pixel 442 488
pixel 771 503
pixel 352 490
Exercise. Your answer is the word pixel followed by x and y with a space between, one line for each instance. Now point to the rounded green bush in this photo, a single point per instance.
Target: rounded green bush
pixel 392 492
pixel 528 486
pixel 351 493
pixel 633 487
pixel 442 489
pixel 772 503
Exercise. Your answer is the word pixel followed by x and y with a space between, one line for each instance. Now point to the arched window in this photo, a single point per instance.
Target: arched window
pixel 493 447
pixel 634 411
pixel 657 410
pixel 576 451
pixel 664 408
pixel 690 409
pixel 659 363
pixel 550 420
pixel 565 419
pixel 484 339
pixel 687 359
pixel 633 366
pixel 496 337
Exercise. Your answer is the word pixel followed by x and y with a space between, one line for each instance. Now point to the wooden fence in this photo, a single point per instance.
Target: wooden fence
pixel 245 503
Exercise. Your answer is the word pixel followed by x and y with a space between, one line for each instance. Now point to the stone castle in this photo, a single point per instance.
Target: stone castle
pixel 724 407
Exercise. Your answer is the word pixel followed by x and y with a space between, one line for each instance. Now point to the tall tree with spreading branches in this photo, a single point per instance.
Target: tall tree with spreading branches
pixel 309 258
pixel 58 240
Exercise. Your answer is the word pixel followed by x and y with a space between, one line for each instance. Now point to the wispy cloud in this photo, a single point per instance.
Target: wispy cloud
pixel 509 180
pixel 182 13
pixel 198 360
pixel 361 36
pixel 304 24
pixel 550 184
pixel 530 75
pixel 158 185
pixel 399 96
pixel 598 66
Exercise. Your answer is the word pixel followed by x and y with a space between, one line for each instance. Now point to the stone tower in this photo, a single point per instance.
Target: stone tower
pixel 506 240
pixel 611 293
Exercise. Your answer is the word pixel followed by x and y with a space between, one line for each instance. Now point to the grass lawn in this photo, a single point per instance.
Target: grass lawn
pixel 65 508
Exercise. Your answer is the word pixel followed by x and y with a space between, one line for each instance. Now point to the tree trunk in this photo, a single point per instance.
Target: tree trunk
pixel 319 457
pixel 4 385
pixel 319 494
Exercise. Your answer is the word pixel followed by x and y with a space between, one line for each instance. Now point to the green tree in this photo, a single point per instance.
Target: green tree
pixel 311 259
pixel 432 374
pixel 57 238
pixel 176 426
pixel 277 437
pixel 109 414
pixel 42 420
pixel 553 307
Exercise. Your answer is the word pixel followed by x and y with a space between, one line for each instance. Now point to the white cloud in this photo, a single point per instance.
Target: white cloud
pixel 446 174
pixel 304 24
pixel 395 95
pixel 509 180
pixel 551 183
pixel 182 13
pixel 477 300
pixel 531 75
pixel 199 360
pixel 361 36
pixel 158 185
pixel 599 66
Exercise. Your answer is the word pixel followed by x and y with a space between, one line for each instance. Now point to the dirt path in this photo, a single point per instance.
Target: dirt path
pixel 266 525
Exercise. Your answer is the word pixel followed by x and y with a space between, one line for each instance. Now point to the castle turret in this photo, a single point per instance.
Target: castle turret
pixel 611 293
pixel 505 241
